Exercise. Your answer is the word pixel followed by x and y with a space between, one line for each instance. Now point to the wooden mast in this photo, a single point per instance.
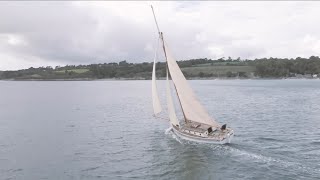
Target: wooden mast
pixel 165 54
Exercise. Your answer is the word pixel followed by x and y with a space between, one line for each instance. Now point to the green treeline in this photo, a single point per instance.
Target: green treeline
pixel 274 67
pixel 193 68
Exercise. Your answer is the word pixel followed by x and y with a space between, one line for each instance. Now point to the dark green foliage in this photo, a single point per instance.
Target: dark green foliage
pixel 201 74
pixel 276 67
pixel 230 74
pixel 203 68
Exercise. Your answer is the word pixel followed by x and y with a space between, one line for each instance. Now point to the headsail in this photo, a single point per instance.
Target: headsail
pixel 172 114
pixel 155 97
pixel 192 108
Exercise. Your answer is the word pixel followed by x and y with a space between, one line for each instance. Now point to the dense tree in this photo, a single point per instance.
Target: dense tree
pixel 264 67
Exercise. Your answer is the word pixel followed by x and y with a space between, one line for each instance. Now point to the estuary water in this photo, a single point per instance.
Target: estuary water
pixel 105 130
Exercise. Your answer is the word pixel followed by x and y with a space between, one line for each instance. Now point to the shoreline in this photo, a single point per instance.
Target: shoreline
pixel 135 79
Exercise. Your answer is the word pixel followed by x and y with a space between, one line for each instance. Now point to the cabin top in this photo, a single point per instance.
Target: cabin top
pixel 197 127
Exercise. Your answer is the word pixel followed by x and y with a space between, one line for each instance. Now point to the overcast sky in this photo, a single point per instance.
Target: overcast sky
pixel 60 33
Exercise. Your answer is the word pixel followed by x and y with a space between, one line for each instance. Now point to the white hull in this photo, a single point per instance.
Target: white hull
pixel 187 137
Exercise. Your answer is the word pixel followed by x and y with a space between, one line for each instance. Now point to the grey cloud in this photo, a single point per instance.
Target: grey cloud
pixel 65 33
pixel 60 31
pixel 51 30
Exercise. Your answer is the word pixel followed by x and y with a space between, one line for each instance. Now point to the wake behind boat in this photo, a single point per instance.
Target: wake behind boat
pixel 197 125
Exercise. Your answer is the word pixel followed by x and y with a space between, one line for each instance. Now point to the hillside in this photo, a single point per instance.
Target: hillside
pixel 219 71
pixel 193 68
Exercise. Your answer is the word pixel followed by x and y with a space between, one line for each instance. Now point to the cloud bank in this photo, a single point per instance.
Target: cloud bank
pixel 60 33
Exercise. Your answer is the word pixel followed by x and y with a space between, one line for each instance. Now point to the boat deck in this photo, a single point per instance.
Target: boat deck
pixel 198 132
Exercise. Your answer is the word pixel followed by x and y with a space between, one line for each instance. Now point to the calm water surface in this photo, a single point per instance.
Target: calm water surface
pixel 105 130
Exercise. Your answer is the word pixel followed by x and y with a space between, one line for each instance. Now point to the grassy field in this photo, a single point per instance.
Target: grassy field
pixel 220 64
pixel 218 69
pixel 79 71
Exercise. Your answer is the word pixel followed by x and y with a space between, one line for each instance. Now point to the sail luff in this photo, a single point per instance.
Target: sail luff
pixel 165 54
pixel 192 108
pixel 155 97
pixel 171 111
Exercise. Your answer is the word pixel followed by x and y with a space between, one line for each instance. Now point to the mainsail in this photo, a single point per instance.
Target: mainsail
pixel 191 107
pixel 172 114
pixel 155 97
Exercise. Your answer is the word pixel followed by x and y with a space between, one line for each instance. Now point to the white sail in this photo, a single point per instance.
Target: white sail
pixel 191 107
pixel 172 114
pixel 155 97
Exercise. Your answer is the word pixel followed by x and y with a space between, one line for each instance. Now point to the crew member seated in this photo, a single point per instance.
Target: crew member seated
pixel 223 127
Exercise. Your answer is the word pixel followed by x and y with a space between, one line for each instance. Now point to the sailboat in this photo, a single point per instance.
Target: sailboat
pixel 197 125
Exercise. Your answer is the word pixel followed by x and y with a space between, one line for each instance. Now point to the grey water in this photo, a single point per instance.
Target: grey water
pixel 105 130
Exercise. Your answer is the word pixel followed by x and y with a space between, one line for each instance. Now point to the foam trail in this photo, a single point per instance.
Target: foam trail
pixel 271 160
pixel 169 132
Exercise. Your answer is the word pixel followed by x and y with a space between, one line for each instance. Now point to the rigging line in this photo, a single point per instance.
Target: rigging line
pixel 157 49
pixel 155 19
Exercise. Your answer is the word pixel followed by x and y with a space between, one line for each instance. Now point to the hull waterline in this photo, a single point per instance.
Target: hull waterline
pixel 226 140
